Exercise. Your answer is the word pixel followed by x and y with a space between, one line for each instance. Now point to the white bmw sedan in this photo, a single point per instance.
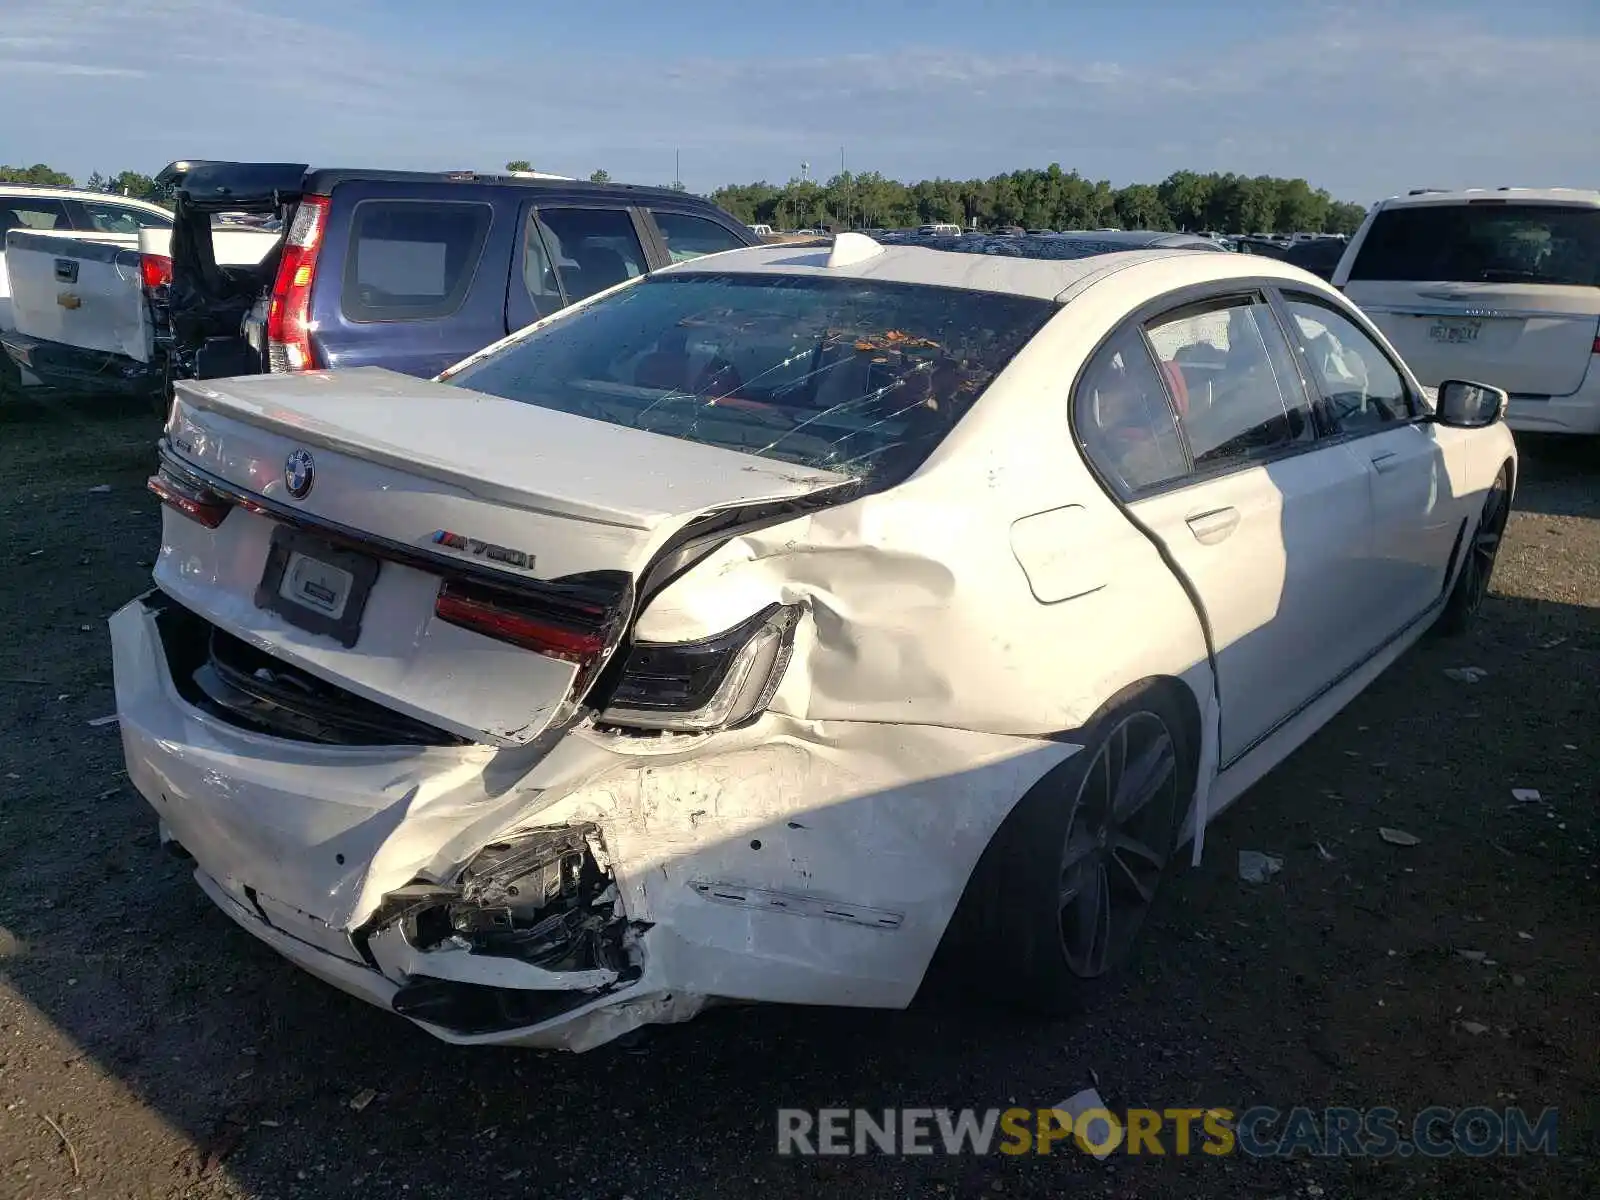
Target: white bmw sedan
pixel 759 628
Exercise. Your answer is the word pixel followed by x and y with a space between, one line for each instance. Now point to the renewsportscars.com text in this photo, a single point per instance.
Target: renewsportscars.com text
pixel 1258 1132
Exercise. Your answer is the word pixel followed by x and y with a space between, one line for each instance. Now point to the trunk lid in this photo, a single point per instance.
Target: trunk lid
pixel 370 488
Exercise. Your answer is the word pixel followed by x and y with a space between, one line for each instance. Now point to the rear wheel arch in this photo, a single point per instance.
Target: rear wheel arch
pixel 987 906
pixel 1182 697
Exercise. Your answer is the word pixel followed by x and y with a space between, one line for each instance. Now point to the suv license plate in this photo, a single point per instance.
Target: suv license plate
pixel 1455 333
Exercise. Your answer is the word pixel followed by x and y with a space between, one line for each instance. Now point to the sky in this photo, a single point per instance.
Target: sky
pixel 1362 97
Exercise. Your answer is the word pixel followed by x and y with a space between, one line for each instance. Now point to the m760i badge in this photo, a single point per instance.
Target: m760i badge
pixel 511 557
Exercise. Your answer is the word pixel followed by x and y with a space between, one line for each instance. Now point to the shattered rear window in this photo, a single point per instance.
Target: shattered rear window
pixel 848 375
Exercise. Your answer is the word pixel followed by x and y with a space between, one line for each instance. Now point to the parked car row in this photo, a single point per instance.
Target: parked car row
pixel 572 612
pixel 411 271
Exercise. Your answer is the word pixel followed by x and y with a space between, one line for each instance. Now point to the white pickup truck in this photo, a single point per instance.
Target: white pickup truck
pixel 86 276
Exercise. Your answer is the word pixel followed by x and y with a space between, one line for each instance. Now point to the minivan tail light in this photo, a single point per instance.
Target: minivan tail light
pixel 1596 346
pixel 289 311
pixel 190 497
pixel 155 271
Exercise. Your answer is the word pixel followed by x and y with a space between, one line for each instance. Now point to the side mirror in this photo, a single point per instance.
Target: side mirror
pixel 1464 405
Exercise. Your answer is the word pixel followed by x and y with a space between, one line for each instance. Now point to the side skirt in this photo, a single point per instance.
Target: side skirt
pixel 1249 767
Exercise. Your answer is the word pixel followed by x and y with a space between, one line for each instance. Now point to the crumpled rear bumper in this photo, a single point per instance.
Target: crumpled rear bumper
pixel 591 1021
pixel 788 862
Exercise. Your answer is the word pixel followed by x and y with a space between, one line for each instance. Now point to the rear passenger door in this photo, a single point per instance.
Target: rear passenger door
pixel 1197 417
pixel 567 251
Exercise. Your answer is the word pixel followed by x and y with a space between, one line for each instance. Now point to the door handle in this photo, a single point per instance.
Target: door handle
pixel 1211 527
pixel 1385 460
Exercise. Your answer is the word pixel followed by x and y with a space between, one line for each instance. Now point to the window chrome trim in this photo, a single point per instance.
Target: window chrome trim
pixel 1253 289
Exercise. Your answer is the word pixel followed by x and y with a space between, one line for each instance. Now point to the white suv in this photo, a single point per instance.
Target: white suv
pixel 1502 286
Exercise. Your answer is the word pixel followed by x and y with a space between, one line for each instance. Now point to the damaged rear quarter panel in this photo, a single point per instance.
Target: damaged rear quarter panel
pixel 817 830
pixel 931 686
pixel 919 609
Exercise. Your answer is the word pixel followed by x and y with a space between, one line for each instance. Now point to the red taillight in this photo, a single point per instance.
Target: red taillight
pixel 155 270
pixel 1597 345
pixel 289 313
pixel 498 615
pixel 193 500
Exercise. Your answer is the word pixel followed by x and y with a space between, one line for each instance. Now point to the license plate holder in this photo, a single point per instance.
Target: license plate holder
pixel 315 585
pixel 1452 332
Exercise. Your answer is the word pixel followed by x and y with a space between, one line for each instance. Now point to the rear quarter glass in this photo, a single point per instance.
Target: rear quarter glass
pixel 410 260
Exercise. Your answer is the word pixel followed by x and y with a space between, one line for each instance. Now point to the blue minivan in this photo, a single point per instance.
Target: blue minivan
pixel 411 271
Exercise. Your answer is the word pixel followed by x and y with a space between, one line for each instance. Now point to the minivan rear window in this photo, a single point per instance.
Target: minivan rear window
pixel 850 375
pixel 411 260
pixel 1486 242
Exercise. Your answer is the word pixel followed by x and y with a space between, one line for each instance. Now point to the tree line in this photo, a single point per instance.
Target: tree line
pixel 1034 199
pixel 123 183
pixel 1047 199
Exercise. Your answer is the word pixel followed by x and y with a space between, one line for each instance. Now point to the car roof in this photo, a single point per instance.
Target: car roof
pixel 987 265
pixel 320 180
pixel 17 190
pixel 215 181
pixel 1423 197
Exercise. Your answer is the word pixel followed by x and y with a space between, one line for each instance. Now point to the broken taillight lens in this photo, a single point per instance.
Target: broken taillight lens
pixel 714 683
pixel 190 497
pixel 289 311
pixel 155 271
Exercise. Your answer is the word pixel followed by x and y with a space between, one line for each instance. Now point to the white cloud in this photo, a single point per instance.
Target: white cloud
pixel 1363 101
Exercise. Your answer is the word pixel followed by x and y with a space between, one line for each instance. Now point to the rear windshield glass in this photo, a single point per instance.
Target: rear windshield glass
pixel 847 375
pixel 1483 243
pixel 410 260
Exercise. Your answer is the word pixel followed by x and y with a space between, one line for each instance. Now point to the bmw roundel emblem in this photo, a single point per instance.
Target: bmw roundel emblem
pixel 299 473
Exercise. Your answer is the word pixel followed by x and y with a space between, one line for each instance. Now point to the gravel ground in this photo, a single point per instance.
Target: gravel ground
pixel 149 1048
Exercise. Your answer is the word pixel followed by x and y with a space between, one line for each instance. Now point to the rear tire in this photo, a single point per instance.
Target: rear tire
pixel 1057 901
pixel 1477 566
